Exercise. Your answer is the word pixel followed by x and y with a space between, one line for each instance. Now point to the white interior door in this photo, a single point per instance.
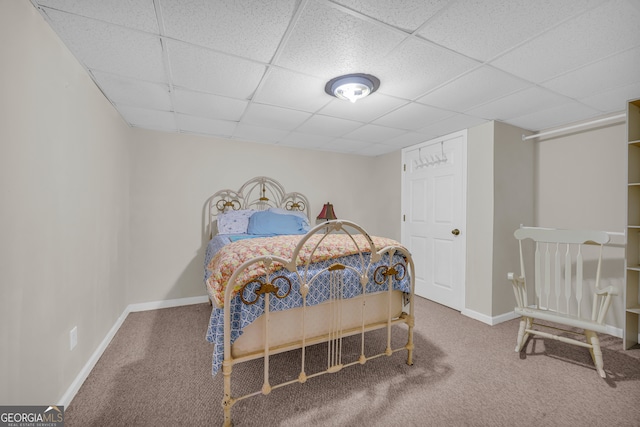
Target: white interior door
pixel 434 216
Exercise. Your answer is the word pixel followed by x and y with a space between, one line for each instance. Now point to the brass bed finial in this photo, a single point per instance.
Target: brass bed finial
pixel 264 197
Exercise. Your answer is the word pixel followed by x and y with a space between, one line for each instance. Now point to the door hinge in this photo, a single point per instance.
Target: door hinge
pixel 404 218
pixel 405 167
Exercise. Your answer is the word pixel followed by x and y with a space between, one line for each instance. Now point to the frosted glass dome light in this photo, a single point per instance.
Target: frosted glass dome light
pixel 352 87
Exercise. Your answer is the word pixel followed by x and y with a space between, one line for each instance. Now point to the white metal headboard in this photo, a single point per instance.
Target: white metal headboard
pixel 258 193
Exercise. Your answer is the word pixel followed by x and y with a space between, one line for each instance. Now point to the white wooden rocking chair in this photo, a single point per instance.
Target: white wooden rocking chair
pixel 558 294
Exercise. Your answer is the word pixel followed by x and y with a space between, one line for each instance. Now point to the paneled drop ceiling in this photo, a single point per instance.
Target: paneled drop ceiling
pixel 256 70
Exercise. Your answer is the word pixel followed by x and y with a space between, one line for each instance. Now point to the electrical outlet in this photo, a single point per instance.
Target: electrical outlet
pixel 73 338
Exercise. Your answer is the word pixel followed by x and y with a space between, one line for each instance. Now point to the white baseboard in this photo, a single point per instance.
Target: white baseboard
pixel 155 305
pixel 489 320
pixel 616 332
pixel 86 370
pixel 68 396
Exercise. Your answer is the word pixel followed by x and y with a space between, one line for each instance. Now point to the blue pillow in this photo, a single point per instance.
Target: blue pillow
pixel 265 222
pixel 302 215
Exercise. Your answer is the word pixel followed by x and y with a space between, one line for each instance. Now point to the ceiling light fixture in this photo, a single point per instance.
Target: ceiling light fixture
pixel 352 86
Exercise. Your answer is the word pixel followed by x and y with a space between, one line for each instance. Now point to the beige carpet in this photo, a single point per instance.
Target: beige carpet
pixel 156 372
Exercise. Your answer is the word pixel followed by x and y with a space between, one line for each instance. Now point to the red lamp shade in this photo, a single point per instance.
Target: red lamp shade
pixel 327 212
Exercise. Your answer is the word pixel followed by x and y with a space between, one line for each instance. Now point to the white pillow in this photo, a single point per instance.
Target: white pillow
pixel 234 222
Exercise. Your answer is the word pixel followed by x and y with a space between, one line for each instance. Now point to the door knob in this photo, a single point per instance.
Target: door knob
pixel 455 231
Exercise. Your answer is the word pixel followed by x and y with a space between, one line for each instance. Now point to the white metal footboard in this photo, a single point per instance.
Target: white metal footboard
pixel 276 285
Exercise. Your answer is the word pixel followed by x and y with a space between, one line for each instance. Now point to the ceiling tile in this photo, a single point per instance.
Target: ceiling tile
pixel 274 117
pixel 616 71
pixel 207 71
pixel 417 66
pixel 614 99
pixel 365 110
pixel 412 116
pixel 477 87
pixel 249 29
pixel 452 124
pixel 407 139
pixel 110 48
pixel 258 133
pixel 575 43
pixel 482 29
pixel 148 119
pixel 330 126
pixel 204 126
pixel 289 89
pixel 555 116
pixel 406 15
pixel 327 42
pixel 374 150
pixel 518 104
pixel 135 14
pixel 374 133
pixel 306 140
pixel 343 145
pixel 135 93
pixel 209 106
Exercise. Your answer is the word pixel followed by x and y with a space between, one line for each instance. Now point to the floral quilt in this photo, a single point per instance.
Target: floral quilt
pixel 231 256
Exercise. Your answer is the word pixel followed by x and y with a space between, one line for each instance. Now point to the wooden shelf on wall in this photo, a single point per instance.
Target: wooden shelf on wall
pixel 632 258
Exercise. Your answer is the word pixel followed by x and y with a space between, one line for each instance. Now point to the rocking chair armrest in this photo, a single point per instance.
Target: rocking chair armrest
pixel 512 276
pixel 609 290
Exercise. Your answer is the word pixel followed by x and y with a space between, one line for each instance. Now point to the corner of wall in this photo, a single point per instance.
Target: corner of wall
pixel 479 218
pixel 514 205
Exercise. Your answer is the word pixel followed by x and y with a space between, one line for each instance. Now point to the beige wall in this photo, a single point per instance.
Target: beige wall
pixel 580 179
pixel 514 164
pixel 577 181
pixel 500 197
pixel 480 147
pixel 386 178
pixel 581 183
pixel 172 176
pixel 64 211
